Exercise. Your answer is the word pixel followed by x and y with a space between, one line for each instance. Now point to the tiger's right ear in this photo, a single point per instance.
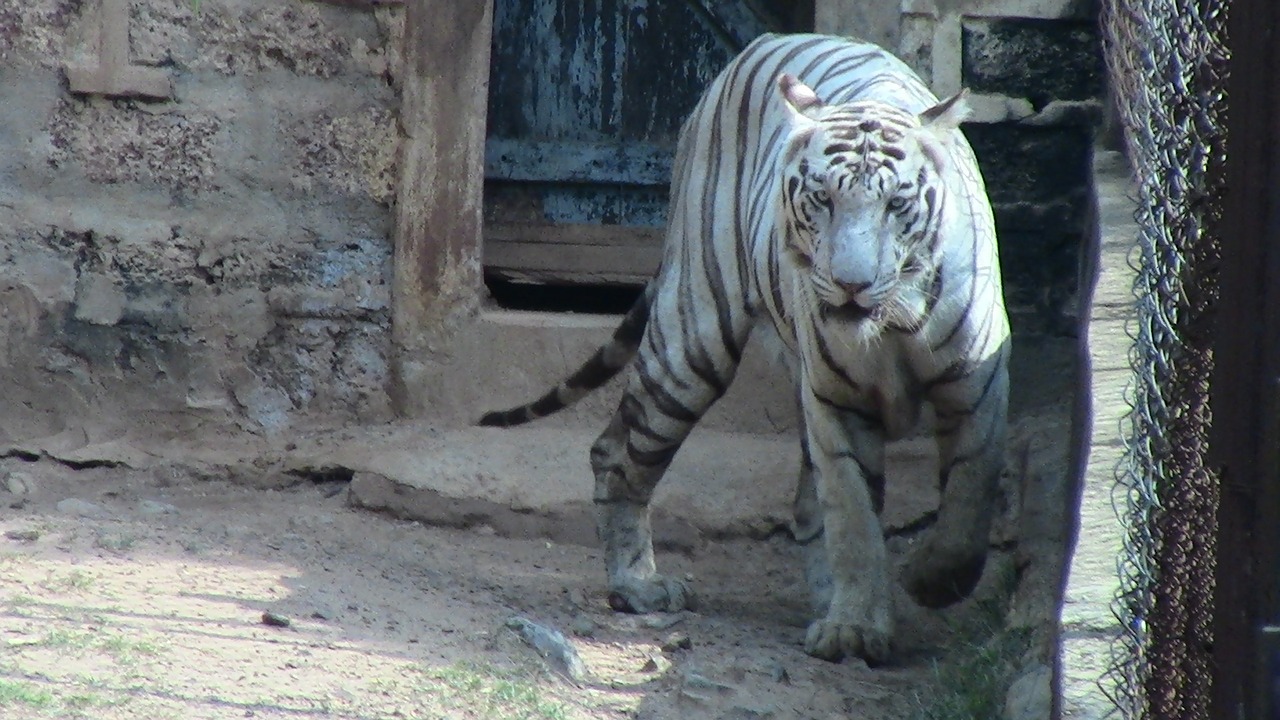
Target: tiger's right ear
pixel 948 114
pixel 799 98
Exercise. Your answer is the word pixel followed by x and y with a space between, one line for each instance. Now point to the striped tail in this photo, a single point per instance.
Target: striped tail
pixel 608 361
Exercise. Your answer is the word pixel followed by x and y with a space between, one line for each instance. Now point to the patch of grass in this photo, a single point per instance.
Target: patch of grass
pixel 476 690
pixel 67 700
pixel 122 648
pixel 74 581
pixel 20 605
pixel 16 692
pixel 972 682
pixel 116 542
pixel 60 639
pixel 126 648
pixel 83 701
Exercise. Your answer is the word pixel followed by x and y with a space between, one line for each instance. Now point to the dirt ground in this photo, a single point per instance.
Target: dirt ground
pixel 165 593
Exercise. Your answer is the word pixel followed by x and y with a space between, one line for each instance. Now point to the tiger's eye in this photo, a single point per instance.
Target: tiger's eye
pixel 897 204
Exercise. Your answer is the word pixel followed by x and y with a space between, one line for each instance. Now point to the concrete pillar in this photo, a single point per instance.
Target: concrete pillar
pixel 437 280
pixel 876 22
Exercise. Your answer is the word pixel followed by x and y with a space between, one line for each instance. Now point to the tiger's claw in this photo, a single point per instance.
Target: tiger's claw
pixel 654 594
pixel 835 640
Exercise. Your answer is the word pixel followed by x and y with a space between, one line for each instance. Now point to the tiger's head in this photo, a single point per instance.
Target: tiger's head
pixel 864 193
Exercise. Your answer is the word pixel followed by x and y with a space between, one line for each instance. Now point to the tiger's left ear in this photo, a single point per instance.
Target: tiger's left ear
pixel 948 114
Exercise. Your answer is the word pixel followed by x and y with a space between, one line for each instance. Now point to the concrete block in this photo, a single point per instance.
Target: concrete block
pixel 1039 59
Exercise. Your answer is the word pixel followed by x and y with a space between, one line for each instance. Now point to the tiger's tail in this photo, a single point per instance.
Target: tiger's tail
pixel 607 362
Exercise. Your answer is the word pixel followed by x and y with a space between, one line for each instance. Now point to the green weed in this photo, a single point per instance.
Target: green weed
pixel 485 691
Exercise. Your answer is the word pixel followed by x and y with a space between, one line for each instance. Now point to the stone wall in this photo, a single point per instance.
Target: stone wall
pixel 196 196
pixel 1035 73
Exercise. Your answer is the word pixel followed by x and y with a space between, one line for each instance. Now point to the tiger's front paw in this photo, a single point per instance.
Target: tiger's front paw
pixel 836 640
pixel 653 594
pixel 938 578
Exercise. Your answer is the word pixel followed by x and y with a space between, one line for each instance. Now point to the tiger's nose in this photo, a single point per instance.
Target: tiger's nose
pixel 857 292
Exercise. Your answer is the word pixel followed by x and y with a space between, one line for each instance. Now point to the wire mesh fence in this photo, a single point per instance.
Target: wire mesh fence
pixel 1167 66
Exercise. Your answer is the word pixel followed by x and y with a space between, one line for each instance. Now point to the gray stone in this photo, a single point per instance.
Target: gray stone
pixel 155 507
pixel 552 646
pixel 661 621
pixel 19 483
pixel 583 626
pixel 1030 697
pixel 81 508
pixel 676 641
pixel 275 620
pixel 750 712
pixel 99 299
pixel 701 684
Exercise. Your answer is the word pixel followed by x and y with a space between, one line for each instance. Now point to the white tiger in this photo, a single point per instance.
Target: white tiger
pixel 820 187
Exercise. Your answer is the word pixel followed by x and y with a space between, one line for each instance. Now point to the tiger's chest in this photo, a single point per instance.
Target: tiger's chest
pixel 875 377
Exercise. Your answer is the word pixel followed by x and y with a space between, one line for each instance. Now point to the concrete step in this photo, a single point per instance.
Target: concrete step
pixel 536 482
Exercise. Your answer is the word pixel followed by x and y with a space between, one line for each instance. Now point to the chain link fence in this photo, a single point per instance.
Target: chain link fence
pixel 1167 66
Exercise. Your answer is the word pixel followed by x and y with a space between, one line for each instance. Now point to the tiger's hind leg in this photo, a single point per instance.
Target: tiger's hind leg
pixel 971 414
pixel 624 487
pixel 669 391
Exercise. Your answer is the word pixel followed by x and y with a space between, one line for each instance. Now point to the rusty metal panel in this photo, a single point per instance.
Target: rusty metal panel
pixel 586 99
pixel 580 162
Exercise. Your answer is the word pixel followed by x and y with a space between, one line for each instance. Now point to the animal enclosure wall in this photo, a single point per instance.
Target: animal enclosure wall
pixel 197 211
pixel 213 208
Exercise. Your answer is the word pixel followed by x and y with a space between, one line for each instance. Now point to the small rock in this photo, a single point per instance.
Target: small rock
pixel 155 507
pixel 1031 695
pixel 750 712
pixel 676 641
pixel 81 508
pixel 688 697
pixel 577 599
pixel 551 645
pixel 661 621
pixel 696 681
pixel 583 626
pixel 19 483
pixel 275 620
pixel 650 665
pixel 779 673
pixel 23 535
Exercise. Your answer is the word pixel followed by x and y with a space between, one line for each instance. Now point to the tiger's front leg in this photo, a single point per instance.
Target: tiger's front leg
pixel 971 417
pixel 848 462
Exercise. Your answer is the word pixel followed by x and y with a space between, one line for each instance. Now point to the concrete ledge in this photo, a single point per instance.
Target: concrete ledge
pixel 536 482
pixel 507 358
pixel 1086 622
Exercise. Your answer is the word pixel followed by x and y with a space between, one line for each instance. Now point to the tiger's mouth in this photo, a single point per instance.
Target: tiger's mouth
pixel 851 312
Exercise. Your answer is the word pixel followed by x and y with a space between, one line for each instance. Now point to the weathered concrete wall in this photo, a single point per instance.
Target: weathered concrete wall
pixel 228 247
pixel 198 195
pixel 1036 77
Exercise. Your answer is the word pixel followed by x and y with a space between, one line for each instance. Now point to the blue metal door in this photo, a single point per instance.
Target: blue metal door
pixel 586 99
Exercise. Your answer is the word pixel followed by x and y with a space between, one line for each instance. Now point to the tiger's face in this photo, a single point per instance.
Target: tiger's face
pixel 863 200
